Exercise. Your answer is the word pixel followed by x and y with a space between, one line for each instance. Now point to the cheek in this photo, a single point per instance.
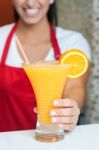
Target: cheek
pixel 45 2
pixel 17 2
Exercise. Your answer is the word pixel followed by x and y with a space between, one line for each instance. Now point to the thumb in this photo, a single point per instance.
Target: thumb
pixel 35 109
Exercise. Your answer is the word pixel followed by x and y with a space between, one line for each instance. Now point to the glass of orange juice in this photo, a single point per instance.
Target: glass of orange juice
pixel 48 80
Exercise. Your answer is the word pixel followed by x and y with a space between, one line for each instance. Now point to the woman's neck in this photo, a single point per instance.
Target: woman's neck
pixel 37 32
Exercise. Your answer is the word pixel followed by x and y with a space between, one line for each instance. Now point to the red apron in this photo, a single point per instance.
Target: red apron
pixel 17 98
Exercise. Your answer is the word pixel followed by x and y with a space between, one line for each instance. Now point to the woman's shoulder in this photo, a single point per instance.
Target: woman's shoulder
pixel 6 28
pixel 69 39
pixel 4 31
pixel 66 34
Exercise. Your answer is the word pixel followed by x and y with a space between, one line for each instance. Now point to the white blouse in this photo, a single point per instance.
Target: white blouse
pixel 67 39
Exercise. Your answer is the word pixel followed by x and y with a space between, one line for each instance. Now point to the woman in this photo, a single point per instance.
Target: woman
pixel 34 38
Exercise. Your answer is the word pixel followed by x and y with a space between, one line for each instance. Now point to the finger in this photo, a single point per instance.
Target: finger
pixel 62 120
pixel 64 103
pixel 77 109
pixel 67 127
pixel 63 112
pixel 35 109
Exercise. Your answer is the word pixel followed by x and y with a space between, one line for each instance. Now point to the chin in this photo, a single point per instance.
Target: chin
pixel 31 21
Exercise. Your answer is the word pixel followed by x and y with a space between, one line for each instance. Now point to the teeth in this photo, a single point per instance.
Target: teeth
pixel 32 11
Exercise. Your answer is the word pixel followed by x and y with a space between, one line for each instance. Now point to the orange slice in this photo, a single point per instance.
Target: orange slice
pixel 77 59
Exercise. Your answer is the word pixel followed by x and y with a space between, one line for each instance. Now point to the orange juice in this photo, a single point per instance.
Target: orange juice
pixel 48 80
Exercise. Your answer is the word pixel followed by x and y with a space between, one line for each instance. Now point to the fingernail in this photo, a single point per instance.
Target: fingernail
pixel 60 125
pixel 55 103
pixel 54 120
pixel 52 113
pixel 35 110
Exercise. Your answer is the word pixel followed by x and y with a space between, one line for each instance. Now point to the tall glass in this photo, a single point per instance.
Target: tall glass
pixel 48 80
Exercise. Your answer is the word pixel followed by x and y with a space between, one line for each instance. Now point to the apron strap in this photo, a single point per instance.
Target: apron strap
pixel 55 44
pixel 7 44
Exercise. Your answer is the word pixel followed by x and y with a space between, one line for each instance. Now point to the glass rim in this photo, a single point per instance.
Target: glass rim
pixel 44 63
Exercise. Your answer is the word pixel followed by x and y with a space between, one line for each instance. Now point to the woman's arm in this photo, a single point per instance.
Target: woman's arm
pixel 68 110
pixel 75 89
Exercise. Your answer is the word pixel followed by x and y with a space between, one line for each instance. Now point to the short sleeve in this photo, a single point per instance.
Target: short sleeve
pixel 4 31
pixel 69 39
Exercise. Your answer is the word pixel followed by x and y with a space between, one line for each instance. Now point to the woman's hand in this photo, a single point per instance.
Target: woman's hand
pixel 66 114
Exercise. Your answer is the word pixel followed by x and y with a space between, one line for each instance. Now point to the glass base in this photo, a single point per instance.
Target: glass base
pixel 49 133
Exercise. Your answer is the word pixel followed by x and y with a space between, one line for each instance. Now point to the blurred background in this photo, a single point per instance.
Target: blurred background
pixel 82 16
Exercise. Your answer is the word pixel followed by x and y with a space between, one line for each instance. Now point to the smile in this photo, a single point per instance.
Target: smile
pixel 31 11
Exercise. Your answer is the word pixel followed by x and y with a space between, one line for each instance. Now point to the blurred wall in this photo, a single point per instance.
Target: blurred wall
pixel 76 15
pixel 6 12
pixel 92 114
